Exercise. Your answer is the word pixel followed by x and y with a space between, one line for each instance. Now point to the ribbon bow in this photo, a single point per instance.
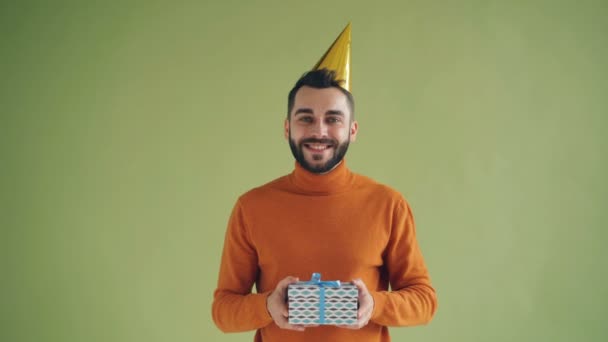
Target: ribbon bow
pixel 316 280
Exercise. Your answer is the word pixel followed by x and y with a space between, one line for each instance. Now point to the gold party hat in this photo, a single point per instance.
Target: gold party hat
pixel 337 58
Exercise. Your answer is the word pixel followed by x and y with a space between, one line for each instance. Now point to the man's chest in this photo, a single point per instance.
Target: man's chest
pixel 317 232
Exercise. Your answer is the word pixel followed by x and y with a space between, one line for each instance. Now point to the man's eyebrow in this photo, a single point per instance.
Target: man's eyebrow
pixel 303 110
pixel 334 112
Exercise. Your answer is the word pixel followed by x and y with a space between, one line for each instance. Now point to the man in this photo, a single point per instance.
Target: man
pixel 322 218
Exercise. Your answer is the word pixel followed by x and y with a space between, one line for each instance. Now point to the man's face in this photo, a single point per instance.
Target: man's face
pixel 320 128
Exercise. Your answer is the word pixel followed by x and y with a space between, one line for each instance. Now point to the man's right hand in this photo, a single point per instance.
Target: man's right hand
pixel 276 303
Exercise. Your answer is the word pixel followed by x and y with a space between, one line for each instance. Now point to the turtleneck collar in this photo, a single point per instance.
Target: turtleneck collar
pixel 337 180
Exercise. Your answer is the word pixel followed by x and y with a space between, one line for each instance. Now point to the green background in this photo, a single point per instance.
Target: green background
pixel 128 130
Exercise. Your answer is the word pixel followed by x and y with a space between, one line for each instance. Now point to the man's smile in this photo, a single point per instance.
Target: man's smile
pixel 318 147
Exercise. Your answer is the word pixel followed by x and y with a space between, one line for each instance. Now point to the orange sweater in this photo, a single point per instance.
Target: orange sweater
pixel 340 224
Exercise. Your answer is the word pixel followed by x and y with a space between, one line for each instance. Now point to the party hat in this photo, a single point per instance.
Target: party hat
pixel 337 58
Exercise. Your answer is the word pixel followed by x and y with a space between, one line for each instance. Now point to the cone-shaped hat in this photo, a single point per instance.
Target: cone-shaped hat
pixel 337 58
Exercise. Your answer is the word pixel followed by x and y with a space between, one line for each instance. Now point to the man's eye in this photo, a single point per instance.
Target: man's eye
pixel 306 119
pixel 333 120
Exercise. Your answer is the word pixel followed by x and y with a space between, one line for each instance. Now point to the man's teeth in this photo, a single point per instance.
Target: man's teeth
pixel 318 147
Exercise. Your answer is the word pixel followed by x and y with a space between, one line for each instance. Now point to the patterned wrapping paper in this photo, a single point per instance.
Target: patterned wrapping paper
pixel 322 302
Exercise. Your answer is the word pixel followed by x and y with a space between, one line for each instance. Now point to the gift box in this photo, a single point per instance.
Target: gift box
pixel 322 302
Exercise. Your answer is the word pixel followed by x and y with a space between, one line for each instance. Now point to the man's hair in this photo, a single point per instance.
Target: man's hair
pixel 322 78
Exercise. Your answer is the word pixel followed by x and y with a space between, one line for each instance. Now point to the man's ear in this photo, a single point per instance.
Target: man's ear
pixel 286 129
pixel 354 128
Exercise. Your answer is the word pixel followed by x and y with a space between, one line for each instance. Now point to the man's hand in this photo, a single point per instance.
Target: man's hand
pixel 366 306
pixel 276 303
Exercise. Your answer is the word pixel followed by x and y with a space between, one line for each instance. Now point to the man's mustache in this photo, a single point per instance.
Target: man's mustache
pixel 319 141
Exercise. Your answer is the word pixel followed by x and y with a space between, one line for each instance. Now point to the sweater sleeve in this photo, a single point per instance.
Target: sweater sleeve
pixel 234 307
pixel 412 299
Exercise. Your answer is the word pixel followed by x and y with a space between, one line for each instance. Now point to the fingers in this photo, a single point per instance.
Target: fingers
pixel 364 313
pixel 286 281
pixel 282 285
pixel 365 310
pixel 281 289
pixel 362 288
pixel 280 305
pixel 365 299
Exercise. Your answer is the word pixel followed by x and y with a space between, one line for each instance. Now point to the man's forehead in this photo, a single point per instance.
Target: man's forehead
pixel 321 97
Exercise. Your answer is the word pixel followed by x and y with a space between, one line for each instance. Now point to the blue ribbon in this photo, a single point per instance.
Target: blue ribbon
pixel 316 280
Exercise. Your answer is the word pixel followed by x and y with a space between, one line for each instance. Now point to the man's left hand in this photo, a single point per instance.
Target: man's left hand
pixel 366 306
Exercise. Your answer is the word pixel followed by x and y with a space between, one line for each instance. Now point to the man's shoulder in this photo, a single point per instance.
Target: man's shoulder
pixel 378 189
pixel 270 188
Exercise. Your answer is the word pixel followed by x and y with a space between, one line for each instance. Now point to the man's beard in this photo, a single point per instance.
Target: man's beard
pixel 339 152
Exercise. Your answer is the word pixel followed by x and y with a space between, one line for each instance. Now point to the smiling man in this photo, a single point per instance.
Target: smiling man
pixel 322 218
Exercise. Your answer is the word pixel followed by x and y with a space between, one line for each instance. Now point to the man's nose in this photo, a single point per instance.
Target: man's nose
pixel 319 129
